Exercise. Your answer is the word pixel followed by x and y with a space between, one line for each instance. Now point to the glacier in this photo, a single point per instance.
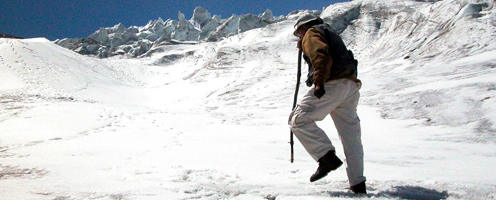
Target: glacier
pixel 188 118
pixel 135 41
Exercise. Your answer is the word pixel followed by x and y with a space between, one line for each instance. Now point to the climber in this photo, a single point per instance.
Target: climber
pixel 333 74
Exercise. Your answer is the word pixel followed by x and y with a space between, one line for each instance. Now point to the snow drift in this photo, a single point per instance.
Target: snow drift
pixel 207 120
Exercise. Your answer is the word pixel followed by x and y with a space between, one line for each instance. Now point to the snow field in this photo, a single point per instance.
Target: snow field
pixel 212 124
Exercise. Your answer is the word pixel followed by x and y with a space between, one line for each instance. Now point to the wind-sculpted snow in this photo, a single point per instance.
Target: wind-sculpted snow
pixel 135 41
pixel 444 49
pixel 208 120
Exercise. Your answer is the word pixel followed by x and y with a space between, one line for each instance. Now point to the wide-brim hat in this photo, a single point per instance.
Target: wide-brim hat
pixel 305 19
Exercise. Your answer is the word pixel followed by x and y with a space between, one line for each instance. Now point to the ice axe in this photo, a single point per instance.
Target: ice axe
pixel 298 75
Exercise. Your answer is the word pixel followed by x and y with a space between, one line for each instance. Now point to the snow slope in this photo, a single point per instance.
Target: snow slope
pixel 435 61
pixel 208 120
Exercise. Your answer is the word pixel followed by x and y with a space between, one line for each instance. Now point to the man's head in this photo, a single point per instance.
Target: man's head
pixel 304 23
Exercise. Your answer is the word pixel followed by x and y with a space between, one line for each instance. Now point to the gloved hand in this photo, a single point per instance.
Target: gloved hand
pixel 319 91
pixel 358 83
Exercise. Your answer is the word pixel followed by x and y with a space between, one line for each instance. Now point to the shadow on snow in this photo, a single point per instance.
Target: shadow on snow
pixel 401 192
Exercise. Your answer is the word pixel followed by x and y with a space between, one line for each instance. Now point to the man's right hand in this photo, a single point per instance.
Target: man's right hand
pixel 319 91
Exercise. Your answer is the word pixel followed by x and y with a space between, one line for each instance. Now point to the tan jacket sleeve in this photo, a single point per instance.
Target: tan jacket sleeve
pixel 315 48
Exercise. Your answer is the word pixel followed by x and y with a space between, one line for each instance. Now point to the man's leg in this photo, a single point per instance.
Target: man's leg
pixel 348 126
pixel 311 109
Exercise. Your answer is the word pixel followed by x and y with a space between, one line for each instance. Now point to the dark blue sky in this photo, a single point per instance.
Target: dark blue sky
pixel 78 18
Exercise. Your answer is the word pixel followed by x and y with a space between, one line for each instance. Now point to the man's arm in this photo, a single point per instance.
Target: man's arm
pixel 315 47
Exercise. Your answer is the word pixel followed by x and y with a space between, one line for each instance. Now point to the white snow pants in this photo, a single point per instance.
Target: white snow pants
pixel 340 101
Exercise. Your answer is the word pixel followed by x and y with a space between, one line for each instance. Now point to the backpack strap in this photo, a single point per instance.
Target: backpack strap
pixel 343 59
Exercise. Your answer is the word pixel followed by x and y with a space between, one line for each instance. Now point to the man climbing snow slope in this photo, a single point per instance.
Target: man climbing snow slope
pixel 333 74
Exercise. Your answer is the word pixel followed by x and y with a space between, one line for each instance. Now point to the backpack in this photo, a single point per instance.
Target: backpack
pixel 344 63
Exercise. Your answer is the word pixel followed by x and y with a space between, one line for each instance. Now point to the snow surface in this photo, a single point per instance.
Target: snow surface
pixel 208 120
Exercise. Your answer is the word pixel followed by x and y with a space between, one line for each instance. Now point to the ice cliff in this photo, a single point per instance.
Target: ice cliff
pixel 135 41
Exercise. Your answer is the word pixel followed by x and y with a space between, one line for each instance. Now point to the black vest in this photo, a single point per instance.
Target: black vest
pixel 344 65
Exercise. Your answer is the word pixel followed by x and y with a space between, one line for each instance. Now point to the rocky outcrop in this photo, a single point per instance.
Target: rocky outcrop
pixel 4 35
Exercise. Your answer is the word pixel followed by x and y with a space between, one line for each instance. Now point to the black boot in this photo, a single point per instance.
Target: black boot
pixel 327 163
pixel 359 188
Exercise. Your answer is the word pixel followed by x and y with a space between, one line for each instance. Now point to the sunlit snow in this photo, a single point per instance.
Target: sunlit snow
pixel 209 120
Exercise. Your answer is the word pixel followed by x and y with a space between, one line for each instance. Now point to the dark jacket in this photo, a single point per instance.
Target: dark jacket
pixel 327 56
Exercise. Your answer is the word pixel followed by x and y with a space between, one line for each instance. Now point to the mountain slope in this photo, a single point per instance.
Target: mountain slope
pixel 208 120
pixel 428 61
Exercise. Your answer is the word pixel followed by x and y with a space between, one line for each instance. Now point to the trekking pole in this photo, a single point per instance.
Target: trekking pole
pixel 298 75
